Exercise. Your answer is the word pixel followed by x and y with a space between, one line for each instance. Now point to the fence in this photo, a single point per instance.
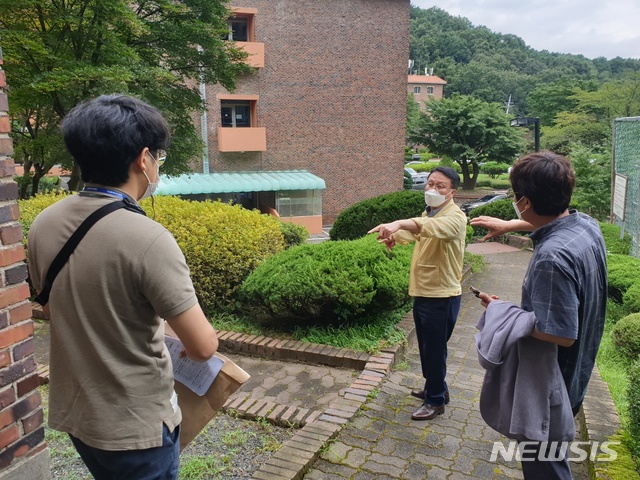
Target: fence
pixel 626 162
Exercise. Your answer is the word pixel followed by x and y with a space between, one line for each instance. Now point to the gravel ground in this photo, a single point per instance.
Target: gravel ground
pixel 229 448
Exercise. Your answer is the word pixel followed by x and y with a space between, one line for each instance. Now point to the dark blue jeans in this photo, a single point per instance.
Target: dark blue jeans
pixel 159 463
pixel 434 319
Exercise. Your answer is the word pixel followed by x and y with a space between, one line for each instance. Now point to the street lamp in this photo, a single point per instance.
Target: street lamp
pixel 525 122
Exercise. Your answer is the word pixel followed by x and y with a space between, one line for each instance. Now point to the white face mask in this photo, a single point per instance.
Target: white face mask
pixel 515 207
pixel 433 198
pixel 152 186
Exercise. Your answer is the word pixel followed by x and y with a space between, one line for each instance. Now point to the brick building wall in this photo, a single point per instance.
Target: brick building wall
pixel 23 452
pixel 332 95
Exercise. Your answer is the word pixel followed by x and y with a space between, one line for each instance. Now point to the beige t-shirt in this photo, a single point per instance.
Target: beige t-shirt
pixel 110 372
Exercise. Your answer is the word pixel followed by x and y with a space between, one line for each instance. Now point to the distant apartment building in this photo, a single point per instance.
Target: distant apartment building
pixel 320 125
pixel 425 88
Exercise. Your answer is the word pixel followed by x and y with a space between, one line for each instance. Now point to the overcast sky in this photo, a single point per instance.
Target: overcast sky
pixel 593 28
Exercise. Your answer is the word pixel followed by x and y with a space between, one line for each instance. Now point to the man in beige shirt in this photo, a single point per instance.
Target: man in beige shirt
pixel 111 375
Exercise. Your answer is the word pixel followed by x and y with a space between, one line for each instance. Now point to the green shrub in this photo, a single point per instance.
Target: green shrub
pixel 221 243
pixel 408 181
pixel 500 209
pixel 328 282
pixel 623 272
pixel 633 399
pixel 356 220
pixel 293 234
pixel 612 240
pixel 626 336
pixel 469 236
pixel 422 167
pixel 485 182
pixel 631 298
pixel 493 169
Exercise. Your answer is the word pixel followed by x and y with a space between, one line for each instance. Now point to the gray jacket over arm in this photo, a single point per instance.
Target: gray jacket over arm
pixel 523 394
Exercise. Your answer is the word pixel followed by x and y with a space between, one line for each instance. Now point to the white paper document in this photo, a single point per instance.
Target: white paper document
pixel 197 376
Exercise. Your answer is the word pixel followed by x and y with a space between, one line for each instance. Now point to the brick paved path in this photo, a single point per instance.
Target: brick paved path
pixel 382 442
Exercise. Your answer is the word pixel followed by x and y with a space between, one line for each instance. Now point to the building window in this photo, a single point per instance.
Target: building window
pixel 416 89
pixel 299 203
pixel 235 113
pixel 430 90
pixel 238 29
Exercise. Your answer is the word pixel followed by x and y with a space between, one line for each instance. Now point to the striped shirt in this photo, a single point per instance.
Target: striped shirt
pixel 566 287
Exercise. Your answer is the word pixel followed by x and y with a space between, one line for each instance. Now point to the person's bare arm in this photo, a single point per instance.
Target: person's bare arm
pixel 497 226
pixel 196 333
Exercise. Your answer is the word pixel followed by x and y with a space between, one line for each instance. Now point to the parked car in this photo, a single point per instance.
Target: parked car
pixel 418 178
pixel 467 207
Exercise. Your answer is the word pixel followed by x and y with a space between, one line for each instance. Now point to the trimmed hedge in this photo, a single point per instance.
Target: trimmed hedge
pixel 623 272
pixel 612 240
pixel 328 283
pixel 633 397
pixel 626 336
pixel 355 221
pixel 222 243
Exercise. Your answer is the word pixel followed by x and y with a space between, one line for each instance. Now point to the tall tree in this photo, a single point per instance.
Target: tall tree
pixel 58 53
pixel 469 131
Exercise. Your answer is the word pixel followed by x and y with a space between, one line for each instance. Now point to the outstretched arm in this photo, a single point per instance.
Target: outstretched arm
pixel 497 226
pixel 386 230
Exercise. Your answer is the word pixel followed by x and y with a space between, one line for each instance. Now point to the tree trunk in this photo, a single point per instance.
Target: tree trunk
pixel 75 181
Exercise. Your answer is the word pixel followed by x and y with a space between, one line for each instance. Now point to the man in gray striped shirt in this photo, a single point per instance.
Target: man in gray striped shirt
pixel 566 283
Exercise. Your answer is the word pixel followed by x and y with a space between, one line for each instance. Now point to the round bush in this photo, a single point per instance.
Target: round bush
pixel 493 169
pixel 221 243
pixel 612 240
pixel 355 221
pixel 633 399
pixel 329 282
pixel 626 335
pixel 631 298
pixel 293 234
pixel 623 272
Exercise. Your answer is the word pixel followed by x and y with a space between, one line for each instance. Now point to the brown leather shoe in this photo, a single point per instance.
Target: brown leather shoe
pixel 427 412
pixel 420 394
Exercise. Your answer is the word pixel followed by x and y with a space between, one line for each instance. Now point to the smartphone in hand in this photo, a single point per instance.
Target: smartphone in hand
pixel 475 291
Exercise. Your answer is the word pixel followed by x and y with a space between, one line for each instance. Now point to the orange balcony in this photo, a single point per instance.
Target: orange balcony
pixel 255 51
pixel 242 139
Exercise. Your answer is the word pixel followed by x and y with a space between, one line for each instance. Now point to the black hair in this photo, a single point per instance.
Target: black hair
pixel 451 174
pixel 546 179
pixel 106 134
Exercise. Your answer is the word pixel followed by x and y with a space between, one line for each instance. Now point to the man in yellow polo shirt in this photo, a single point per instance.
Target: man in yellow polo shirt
pixel 436 273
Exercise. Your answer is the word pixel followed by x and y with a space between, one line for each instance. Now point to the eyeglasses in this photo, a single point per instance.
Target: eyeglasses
pixel 162 156
pixel 159 158
pixel 511 193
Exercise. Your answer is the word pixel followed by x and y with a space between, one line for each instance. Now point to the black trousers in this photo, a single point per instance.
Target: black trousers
pixel 435 319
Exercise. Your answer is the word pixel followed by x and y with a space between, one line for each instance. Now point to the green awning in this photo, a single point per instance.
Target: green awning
pixel 235 182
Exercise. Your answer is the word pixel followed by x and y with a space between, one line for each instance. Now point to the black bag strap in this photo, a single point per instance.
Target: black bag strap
pixel 68 248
